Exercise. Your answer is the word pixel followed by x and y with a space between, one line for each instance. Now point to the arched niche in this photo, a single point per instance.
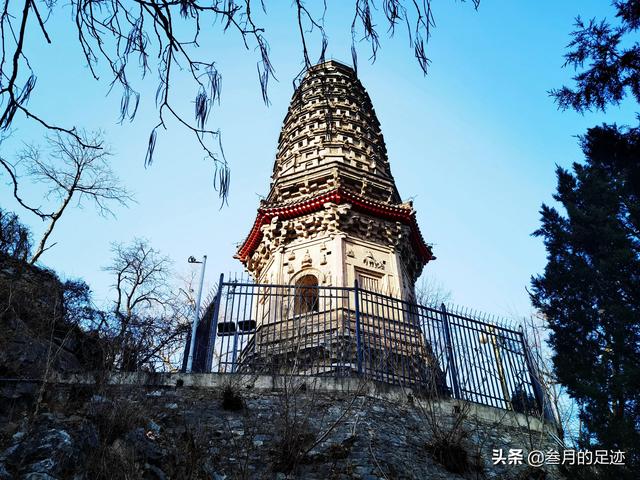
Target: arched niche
pixel 306 292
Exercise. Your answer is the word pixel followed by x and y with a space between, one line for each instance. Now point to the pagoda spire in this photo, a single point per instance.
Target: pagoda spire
pixel 331 136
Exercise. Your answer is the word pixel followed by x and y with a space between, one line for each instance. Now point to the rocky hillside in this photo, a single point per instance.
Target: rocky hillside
pixel 227 431
pixel 38 334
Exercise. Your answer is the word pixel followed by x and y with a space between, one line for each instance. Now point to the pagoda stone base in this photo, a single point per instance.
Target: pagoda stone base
pixel 312 344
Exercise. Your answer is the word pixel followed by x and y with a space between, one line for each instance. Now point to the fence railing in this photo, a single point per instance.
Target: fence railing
pixel 349 331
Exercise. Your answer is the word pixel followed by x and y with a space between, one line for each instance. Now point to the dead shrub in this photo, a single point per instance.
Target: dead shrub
pixel 448 430
pixel 293 442
pixel 341 451
pixel 452 456
pixel 231 399
pixel 113 462
pixel 192 448
pixel 114 419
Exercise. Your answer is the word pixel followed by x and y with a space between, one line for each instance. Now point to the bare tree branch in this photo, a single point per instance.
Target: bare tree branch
pixel 70 171
pixel 127 37
pixel 14 180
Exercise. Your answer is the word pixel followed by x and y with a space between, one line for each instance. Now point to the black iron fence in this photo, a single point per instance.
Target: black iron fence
pixel 350 331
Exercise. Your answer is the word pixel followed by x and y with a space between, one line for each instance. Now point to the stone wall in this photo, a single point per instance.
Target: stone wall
pixel 225 427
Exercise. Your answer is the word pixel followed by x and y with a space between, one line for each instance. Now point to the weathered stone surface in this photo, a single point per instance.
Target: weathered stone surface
pixel 311 434
pixel 51 445
pixel 4 475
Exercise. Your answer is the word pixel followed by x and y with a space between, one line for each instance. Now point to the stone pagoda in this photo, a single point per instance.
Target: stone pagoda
pixel 333 210
pixel 334 219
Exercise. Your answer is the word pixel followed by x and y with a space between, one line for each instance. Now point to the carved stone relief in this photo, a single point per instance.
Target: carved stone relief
pixel 371 261
pixel 337 219
pixel 306 261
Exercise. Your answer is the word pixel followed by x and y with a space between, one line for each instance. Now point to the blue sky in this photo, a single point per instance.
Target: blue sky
pixel 475 143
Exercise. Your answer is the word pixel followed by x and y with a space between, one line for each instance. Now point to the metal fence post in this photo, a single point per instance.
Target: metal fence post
pixel 449 347
pixel 185 356
pixel 356 291
pixel 214 325
pixel 538 390
pixel 234 358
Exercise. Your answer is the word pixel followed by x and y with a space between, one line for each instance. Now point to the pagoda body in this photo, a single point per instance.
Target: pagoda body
pixel 333 209
pixel 333 217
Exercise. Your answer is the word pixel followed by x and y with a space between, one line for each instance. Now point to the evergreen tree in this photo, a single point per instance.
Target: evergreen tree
pixel 15 238
pixel 590 289
pixel 606 57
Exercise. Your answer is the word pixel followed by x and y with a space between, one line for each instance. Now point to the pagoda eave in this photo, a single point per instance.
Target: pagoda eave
pixel 399 213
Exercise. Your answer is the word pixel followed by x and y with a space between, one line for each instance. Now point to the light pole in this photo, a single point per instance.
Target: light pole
pixel 196 313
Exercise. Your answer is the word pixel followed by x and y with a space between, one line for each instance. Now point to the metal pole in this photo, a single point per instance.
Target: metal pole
pixel 449 347
pixel 211 345
pixel 356 291
pixel 196 317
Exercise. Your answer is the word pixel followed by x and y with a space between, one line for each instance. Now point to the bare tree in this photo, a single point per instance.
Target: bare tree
pixel 149 320
pixel 140 36
pixel 431 292
pixel 71 172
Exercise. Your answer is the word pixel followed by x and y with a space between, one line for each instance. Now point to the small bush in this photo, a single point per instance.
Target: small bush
pixel 340 451
pixel 114 420
pixel 112 462
pixel 291 446
pixel 192 452
pixel 453 457
pixel 231 399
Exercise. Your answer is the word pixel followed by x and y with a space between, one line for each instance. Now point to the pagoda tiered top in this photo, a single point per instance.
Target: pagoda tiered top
pixel 331 138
